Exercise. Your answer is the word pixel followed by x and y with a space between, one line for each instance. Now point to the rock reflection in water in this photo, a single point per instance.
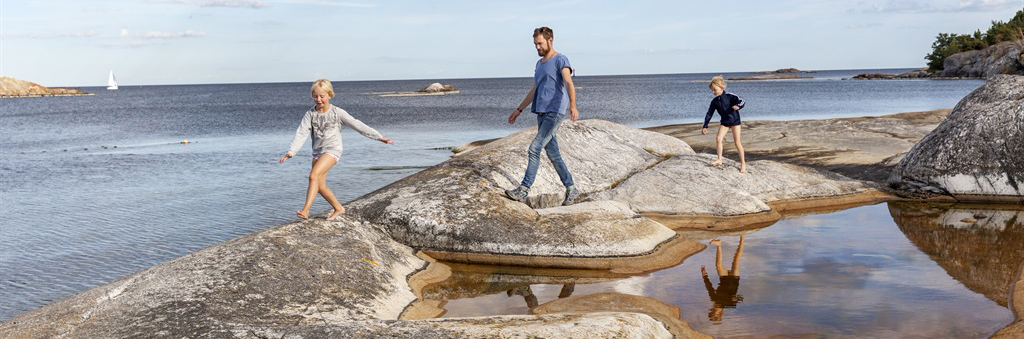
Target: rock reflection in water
pixel 980 246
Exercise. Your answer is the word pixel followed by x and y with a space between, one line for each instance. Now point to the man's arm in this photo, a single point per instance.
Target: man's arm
pixel 522 105
pixel 571 89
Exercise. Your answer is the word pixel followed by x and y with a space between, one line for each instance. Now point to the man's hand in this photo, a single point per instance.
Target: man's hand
pixel 286 157
pixel 704 131
pixel 386 141
pixel 703 271
pixel 512 118
pixel 574 114
pixel 735 108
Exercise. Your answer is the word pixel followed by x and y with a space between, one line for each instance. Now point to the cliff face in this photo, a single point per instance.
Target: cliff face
pixel 11 87
pixel 1003 58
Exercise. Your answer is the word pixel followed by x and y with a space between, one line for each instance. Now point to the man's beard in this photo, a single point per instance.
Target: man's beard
pixel 543 51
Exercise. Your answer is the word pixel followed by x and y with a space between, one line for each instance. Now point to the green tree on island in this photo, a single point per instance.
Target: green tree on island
pixel 947 44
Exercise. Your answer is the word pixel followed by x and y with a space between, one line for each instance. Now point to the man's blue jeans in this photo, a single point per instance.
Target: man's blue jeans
pixel 547 124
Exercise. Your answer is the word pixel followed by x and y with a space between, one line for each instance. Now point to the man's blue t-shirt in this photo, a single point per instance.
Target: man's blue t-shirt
pixel 551 95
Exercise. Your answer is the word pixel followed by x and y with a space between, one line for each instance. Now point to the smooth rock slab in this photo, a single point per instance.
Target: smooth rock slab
pixel 459 205
pixel 689 185
pixel 977 153
pixel 312 272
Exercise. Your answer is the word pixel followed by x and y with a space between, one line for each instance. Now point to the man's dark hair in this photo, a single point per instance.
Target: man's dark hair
pixel 546 32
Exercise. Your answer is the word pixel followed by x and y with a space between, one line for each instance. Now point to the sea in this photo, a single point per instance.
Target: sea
pixel 96 188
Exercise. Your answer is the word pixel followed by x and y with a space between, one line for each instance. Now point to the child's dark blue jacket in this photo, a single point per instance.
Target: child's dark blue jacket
pixel 723 104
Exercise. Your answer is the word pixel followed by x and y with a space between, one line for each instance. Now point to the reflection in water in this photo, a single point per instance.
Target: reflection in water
pixel 980 246
pixel 856 273
pixel 726 295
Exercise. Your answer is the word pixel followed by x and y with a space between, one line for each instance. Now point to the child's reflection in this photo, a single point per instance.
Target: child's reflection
pixel 728 283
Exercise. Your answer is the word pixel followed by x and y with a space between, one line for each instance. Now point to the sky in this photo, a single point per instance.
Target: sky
pixel 147 42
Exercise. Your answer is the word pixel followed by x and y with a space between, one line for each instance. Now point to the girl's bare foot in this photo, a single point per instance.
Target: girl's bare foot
pixel 743 169
pixel 301 215
pixel 716 242
pixel 717 162
pixel 336 213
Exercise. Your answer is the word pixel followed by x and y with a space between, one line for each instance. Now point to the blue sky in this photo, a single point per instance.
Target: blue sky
pixel 75 43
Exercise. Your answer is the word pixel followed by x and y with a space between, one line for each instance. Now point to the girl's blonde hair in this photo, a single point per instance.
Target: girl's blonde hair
pixel 717 81
pixel 325 85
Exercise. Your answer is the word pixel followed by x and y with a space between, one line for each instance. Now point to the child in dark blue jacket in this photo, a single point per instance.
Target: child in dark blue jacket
pixel 728 106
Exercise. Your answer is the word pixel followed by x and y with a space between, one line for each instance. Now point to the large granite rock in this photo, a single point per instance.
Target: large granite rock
pixel 1002 58
pixel 306 273
pixel 459 206
pixel 976 153
pixel 688 185
pixel 865 148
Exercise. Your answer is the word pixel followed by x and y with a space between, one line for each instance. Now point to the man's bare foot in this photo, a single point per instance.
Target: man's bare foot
pixel 716 242
pixel 301 215
pixel 336 214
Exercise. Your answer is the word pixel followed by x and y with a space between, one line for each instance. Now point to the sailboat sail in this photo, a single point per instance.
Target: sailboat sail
pixel 111 82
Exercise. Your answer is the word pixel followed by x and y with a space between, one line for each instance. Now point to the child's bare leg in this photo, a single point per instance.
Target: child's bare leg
pixel 718 258
pixel 320 168
pixel 718 143
pixel 736 259
pixel 739 147
pixel 329 196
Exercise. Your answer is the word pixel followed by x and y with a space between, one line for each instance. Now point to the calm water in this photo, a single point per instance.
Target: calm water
pixel 883 271
pixel 77 212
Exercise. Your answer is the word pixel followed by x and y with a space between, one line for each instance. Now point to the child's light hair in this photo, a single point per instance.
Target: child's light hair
pixel 717 81
pixel 325 85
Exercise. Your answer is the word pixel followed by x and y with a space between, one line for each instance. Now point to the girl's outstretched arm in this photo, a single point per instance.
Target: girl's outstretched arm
pixel 300 136
pixel 360 127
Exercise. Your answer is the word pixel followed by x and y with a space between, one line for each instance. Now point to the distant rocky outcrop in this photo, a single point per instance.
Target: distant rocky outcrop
pixel 14 88
pixel 1003 58
pixel 430 90
pixel 975 154
pixel 922 73
pixel 437 87
pixel 784 70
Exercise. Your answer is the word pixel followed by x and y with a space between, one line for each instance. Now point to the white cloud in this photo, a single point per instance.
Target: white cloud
pixel 326 3
pixel 910 6
pixel 256 4
pixel 84 34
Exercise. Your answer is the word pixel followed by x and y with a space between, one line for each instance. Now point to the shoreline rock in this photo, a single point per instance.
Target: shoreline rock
pixel 774 76
pixel 14 88
pixel 975 154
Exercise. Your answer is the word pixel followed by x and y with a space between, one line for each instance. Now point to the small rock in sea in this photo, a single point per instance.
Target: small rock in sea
pixel 115 146
pixel 104 147
pixel 65 150
pixel 969 220
pixel 980 216
pixel 85 149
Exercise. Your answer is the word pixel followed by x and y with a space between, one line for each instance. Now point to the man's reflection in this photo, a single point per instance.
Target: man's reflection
pixel 531 299
pixel 728 283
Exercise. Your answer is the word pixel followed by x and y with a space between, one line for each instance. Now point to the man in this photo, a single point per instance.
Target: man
pixel 552 93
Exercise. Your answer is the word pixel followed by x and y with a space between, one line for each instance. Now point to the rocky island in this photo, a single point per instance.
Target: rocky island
pixel 14 88
pixel 365 275
pixel 431 90
pixel 779 74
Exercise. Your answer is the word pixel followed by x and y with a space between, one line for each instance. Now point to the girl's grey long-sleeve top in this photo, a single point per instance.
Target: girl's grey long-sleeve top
pixel 326 130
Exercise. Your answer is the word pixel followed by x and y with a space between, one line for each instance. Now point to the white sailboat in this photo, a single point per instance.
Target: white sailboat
pixel 111 82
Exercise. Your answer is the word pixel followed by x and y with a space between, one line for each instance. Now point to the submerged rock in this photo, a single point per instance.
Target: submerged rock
pixel 976 153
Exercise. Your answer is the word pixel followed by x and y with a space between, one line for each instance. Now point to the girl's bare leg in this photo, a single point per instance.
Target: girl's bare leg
pixel 329 196
pixel 718 258
pixel 736 259
pixel 319 171
pixel 739 147
pixel 718 143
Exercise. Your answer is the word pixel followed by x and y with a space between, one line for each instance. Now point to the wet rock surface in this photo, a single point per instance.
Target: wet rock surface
pixel 975 154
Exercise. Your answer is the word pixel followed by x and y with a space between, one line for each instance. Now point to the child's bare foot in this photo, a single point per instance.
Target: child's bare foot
pixel 743 169
pixel 716 242
pixel 301 215
pixel 336 213
pixel 717 162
